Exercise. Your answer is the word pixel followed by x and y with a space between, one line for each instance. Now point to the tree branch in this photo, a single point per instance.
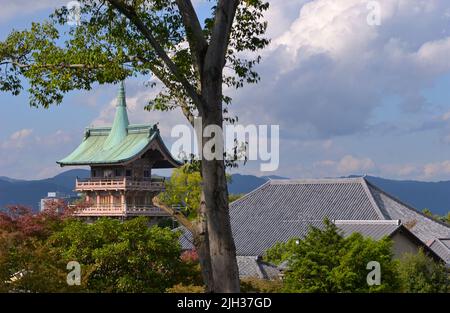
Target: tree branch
pixel 53 66
pixel 183 220
pixel 194 33
pixel 183 104
pixel 130 13
pixel 225 12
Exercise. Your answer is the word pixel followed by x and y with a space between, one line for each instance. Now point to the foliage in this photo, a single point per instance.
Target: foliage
pixel 116 39
pixel 114 256
pixel 325 261
pixel 250 285
pixel 183 189
pixel 420 274
pixel 108 46
pixel 351 273
pixel 123 257
pixel 281 251
pixel 180 288
pixel 444 218
pixel 233 197
pixel 26 263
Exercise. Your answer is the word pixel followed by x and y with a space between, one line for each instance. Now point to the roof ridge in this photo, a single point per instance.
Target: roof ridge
pixel 251 192
pixel 371 198
pixel 315 180
pixel 409 207
pixel 374 222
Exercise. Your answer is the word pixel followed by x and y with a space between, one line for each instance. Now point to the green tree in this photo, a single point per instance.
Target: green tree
pixel 234 197
pixel 124 256
pixel 184 189
pixel 325 261
pixel 117 39
pixel 114 256
pixel 421 274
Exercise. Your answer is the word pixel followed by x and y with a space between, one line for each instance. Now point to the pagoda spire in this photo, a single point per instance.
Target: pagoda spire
pixel 119 128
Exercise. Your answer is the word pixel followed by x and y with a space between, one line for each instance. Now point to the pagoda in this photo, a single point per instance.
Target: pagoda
pixel 121 159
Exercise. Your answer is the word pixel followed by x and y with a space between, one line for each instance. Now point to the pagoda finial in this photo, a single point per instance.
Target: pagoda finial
pixel 119 128
pixel 121 101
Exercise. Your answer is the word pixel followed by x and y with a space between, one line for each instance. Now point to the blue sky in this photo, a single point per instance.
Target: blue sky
pixel 350 98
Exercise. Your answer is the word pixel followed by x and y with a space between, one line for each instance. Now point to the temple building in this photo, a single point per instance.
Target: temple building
pixel 121 158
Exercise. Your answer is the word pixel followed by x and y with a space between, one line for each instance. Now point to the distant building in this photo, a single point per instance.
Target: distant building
pixel 283 209
pixel 55 197
pixel 121 159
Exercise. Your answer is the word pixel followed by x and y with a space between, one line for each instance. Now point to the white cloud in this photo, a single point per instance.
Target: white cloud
pixel 17 140
pixel 399 170
pixel 137 98
pixel 14 9
pixel 436 169
pixel 21 134
pixel 28 155
pixel 325 75
pixel 348 164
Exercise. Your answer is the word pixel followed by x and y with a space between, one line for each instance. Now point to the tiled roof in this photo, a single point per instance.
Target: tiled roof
pixel 252 266
pixel 282 209
pixel 421 225
pixel 185 239
pixel 442 248
pixel 374 229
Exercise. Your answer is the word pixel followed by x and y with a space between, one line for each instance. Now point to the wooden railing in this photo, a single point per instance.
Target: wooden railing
pixel 121 210
pixel 118 184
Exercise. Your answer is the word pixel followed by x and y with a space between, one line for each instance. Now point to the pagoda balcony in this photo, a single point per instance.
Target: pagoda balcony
pixel 121 211
pixel 92 184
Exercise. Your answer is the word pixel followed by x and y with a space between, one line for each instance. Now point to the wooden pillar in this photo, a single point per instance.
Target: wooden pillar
pixel 123 201
pixel 97 199
pixel 111 200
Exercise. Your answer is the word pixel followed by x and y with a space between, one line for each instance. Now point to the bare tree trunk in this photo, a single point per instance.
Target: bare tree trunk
pixel 201 243
pixel 200 238
pixel 221 243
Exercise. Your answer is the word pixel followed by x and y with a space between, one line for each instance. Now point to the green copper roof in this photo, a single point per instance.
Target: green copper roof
pixel 117 144
pixel 119 128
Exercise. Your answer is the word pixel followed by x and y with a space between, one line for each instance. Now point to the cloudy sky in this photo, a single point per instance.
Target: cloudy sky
pixel 351 97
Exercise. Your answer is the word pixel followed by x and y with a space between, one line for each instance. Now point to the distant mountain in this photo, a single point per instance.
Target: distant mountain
pixel 29 192
pixel 432 195
pixel 246 183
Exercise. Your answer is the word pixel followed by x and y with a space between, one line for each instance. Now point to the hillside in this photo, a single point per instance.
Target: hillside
pixel 29 192
pixel 432 195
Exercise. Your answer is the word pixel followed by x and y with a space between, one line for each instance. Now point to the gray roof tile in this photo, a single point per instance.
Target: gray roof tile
pixel 421 225
pixel 373 229
pixel 252 266
pixel 282 209
pixel 442 248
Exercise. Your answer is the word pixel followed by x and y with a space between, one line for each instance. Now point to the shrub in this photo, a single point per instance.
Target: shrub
pixel 421 274
pixel 251 285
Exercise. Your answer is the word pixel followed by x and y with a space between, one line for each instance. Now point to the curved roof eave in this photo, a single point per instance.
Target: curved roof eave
pixel 155 136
